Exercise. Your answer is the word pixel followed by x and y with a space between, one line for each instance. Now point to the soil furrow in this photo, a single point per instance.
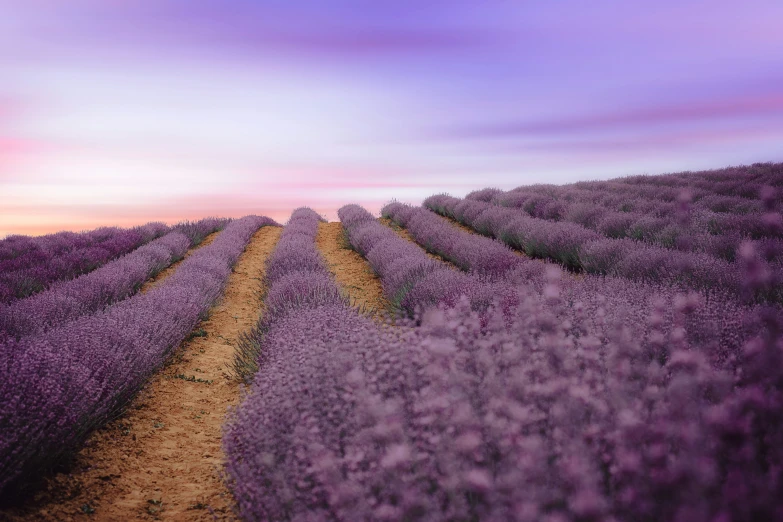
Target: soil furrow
pixel 162 459
pixel 351 271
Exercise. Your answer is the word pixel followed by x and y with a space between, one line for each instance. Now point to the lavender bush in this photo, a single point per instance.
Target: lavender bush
pixel 30 264
pixel 59 385
pixel 545 419
pixel 89 293
pixel 116 280
pixel 686 215
pixel 196 231
pixel 601 399
pixel 295 251
pixel 720 323
pixel 25 251
pixel 742 181
pixel 296 279
pixel 413 281
pixel 579 248
pixel 483 256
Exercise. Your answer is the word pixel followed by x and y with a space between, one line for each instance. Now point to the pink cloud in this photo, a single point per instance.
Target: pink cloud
pixel 11 145
pixel 12 150
pixel 69 217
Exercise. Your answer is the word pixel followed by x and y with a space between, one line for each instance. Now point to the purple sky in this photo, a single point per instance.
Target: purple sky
pixel 120 111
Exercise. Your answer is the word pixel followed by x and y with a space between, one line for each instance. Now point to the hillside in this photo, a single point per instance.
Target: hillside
pixel 607 350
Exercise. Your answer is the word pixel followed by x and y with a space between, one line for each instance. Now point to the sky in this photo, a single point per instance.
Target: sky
pixel 119 112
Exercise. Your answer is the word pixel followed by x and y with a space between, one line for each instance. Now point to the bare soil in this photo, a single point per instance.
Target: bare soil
pixel 351 271
pixel 162 459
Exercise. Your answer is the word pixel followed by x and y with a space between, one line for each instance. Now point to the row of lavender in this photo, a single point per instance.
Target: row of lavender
pixel 197 231
pixel 31 264
pixel 684 224
pixel 295 278
pixel 678 225
pixel 718 341
pixel 259 438
pixel 718 323
pixel 579 248
pixel 540 418
pixel 64 301
pixel 336 426
pixel 333 427
pixel 667 197
pixel 59 385
pixel 615 195
pixel 412 281
pixel 732 182
pixel 688 215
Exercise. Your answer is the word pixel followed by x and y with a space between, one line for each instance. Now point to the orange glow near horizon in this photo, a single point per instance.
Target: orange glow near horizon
pixel 52 224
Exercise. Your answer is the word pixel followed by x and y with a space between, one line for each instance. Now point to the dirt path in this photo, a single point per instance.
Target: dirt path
pixel 351 270
pixel 162 459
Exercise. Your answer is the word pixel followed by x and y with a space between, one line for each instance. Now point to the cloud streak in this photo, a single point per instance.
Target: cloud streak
pixel 768 105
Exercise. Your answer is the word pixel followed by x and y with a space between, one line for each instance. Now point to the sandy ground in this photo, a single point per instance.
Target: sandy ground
pixel 162 459
pixel 351 271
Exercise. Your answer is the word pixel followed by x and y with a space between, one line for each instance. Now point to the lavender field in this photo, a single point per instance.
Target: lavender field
pixel 600 351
